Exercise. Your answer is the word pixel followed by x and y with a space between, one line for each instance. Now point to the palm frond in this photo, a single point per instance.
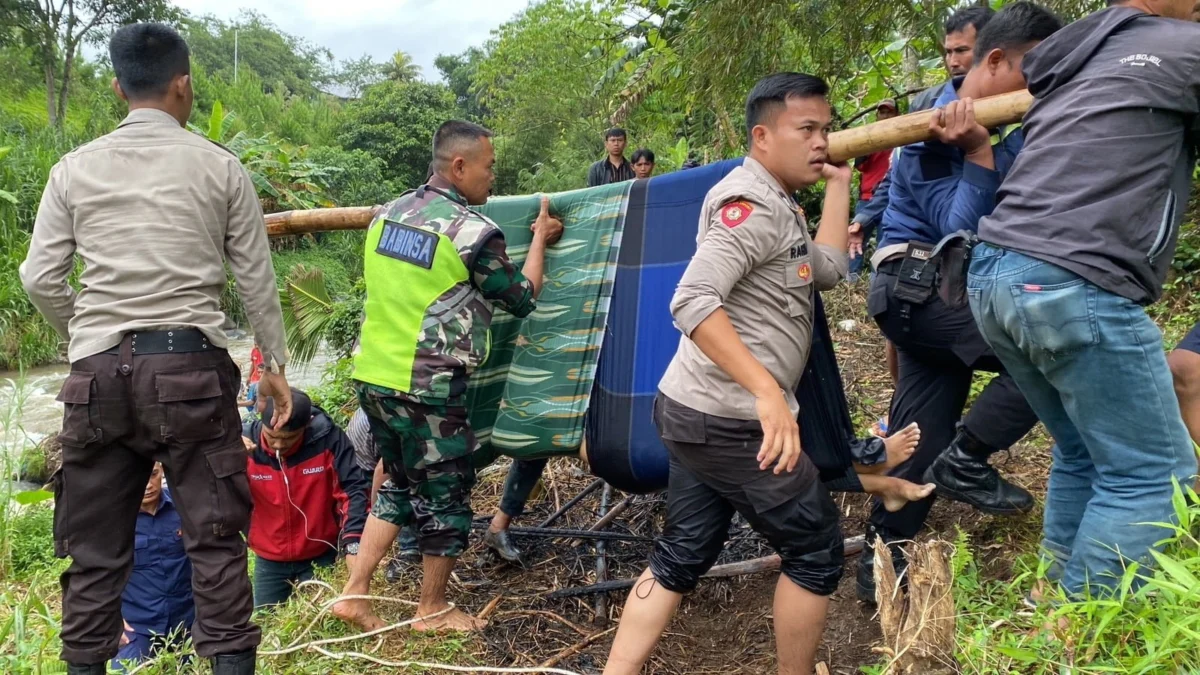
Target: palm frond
pixel 307 311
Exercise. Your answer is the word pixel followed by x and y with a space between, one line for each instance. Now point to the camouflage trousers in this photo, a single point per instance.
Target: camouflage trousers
pixel 426 449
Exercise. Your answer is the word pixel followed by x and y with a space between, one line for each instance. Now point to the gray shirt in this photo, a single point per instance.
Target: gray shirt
pixel 754 257
pixel 154 212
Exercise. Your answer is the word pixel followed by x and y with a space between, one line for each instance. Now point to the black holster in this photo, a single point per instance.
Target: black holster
pixel 953 254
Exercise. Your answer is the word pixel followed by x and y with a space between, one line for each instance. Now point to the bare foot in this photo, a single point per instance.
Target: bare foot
pixel 895 492
pixel 455 619
pixel 901 445
pixel 358 613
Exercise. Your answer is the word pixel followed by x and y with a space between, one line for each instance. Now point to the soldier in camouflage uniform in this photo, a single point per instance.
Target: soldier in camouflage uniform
pixel 433 268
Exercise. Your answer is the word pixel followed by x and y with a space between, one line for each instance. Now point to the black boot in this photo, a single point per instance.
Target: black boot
pixel 92 669
pixel 502 544
pixel 962 473
pixel 241 663
pixel 865 581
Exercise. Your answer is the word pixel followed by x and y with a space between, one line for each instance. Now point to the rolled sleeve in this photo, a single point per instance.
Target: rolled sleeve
pixel 725 255
pixel 830 266
pixel 51 256
pixel 249 255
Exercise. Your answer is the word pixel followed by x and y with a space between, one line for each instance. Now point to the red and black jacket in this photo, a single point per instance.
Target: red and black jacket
pixel 321 505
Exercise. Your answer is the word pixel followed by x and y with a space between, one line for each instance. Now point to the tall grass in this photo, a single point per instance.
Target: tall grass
pixel 1151 625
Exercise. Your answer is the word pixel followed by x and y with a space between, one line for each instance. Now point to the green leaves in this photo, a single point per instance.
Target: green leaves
pixel 308 311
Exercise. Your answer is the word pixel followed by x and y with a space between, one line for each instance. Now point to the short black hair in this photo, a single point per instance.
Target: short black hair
pixel 301 411
pixel 1014 27
pixel 451 137
pixel 970 16
pixel 615 132
pixel 771 93
pixel 642 153
pixel 146 58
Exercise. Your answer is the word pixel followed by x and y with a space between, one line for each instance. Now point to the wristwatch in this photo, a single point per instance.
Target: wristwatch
pixel 352 548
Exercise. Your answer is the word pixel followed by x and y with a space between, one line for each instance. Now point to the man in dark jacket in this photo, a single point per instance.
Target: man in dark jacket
pixel 1073 252
pixel 941 187
pixel 614 168
pixel 310 498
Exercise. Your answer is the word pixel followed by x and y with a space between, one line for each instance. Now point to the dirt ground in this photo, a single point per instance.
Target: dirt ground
pixel 725 626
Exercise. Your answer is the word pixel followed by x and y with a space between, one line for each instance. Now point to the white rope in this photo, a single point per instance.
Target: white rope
pixel 317 645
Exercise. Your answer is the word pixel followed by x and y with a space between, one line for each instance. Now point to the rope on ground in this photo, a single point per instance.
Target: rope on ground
pixel 318 645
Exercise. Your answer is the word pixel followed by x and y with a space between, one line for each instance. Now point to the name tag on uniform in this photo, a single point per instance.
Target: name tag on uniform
pixel 798 251
pixel 408 244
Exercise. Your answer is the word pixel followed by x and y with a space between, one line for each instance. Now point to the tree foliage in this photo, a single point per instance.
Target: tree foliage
pixel 55 30
pixel 395 121
pixel 401 68
pixel 283 63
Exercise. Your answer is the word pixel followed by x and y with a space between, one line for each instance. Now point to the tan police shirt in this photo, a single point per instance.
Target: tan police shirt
pixel 154 212
pixel 754 257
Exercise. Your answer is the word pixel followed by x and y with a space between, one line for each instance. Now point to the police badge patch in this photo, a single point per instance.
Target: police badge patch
pixel 735 213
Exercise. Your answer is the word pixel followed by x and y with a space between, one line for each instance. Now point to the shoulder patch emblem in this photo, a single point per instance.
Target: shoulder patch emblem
pixel 735 213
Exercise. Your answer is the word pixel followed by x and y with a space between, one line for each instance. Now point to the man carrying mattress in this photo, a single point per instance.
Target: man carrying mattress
pixel 726 409
pixel 433 268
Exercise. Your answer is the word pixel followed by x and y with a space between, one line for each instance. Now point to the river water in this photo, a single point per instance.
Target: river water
pixel 29 413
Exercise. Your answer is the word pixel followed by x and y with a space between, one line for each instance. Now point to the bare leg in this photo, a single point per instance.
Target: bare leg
pixel 377 480
pixel 433 599
pixel 900 447
pixel 1185 370
pixel 799 622
pixel 377 538
pixel 647 612
pixel 894 492
pixel 500 521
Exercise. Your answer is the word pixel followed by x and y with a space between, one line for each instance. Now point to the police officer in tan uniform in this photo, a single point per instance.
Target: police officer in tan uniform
pixel 726 409
pixel 154 212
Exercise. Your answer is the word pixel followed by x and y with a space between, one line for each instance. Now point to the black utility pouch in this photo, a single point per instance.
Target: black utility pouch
pixel 917 277
pixel 954 257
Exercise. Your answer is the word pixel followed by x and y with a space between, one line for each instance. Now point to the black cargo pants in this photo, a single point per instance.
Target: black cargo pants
pixel 940 349
pixel 123 413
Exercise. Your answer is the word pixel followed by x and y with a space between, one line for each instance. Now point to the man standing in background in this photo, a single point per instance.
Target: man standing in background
pixel 874 168
pixel 614 168
pixel 155 212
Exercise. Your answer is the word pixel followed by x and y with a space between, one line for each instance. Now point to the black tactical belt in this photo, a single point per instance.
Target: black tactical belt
pixel 182 341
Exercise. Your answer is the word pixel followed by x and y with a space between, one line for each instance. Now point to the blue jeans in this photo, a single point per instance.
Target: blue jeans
pixel 1092 366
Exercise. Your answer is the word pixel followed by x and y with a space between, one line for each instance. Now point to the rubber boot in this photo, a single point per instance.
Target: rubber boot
pixel 241 663
pixel 90 669
pixel 962 473
pixel 865 581
pixel 502 544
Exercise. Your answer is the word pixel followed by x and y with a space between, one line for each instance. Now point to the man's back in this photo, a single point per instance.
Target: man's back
pixel 148 208
pixel 1104 174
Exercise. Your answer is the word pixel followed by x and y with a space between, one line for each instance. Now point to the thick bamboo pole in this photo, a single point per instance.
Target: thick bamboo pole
pixel 914 127
pixel 843 145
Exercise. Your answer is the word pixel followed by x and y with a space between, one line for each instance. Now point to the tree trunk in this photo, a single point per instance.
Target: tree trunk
pixel 64 92
pixel 51 107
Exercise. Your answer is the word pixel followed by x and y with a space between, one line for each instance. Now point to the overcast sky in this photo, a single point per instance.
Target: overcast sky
pixel 351 28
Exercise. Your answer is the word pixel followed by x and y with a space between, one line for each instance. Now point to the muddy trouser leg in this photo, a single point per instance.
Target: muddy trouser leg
pixel 96 496
pixel 190 400
pixel 522 477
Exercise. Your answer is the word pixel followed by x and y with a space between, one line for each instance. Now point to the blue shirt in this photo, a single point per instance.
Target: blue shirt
pixel 936 192
pixel 158 597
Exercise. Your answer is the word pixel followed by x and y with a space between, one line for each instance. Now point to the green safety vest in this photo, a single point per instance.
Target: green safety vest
pixel 425 326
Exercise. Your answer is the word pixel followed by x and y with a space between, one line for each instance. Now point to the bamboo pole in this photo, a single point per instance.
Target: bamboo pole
pixel 843 145
pixel 914 127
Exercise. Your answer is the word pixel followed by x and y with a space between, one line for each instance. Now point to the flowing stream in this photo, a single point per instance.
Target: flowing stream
pixel 29 413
